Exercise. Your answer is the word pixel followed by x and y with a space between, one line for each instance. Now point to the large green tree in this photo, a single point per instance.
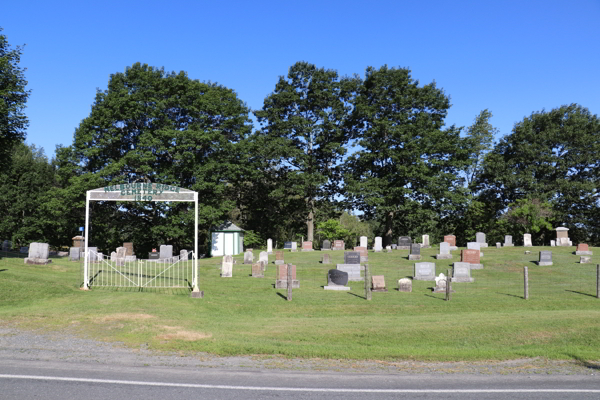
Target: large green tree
pixel 304 133
pixel 553 156
pixel 23 187
pixel 154 126
pixel 406 171
pixel 13 96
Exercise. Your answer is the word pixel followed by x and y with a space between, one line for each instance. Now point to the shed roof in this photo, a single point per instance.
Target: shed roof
pixel 227 226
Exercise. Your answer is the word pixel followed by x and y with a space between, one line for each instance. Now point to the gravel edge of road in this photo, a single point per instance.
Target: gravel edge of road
pixel 18 344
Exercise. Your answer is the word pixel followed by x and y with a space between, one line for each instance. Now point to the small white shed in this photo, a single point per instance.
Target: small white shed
pixel 227 240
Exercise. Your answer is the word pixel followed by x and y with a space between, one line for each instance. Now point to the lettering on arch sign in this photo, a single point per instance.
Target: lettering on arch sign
pixel 141 191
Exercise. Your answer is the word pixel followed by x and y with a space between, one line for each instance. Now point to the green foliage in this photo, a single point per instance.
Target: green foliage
pixel 551 155
pixel 528 216
pixel 153 126
pixel 332 229
pixel 303 135
pixel 23 197
pixel 481 134
pixel 253 240
pixel 356 228
pixel 13 96
pixel 406 173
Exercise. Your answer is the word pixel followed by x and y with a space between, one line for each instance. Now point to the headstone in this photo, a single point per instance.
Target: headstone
pixel 338 245
pixel 444 252
pixel 562 236
pixel 364 241
pixel 415 252
pixel 7 245
pixel 113 256
pixel 527 240
pixel 128 248
pixel 471 257
pixel 337 280
pixel 326 259
pixel 583 250
pixel 405 285
pixel 74 253
pixel 248 257
pixel 351 257
pixel 404 243
pixel 130 258
pixel 378 283
pixel 451 240
pixel 508 241
pixel 120 256
pixel 425 243
pixel 394 246
pixel 307 246
pixel 287 245
pixel 364 255
pixel 183 255
pixel 257 270
pixel 480 238
pixel 424 271
pixel 498 245
pixel 269 246
pixel 326 245
pixel 440 284
pixel 552 243
pixel 93 255
pixel 279 257
pixel 462 272
pixel 263 256
pixel 281 281
pixel 153 255
pixel 388 249
pixel 38 254
pixel 166 251
pixel 378 244
pixel 353 271
pixel 294 246
pixel 545 258
pixel 24 250
pixel 227 267
pixel 475 246
pixel 585 260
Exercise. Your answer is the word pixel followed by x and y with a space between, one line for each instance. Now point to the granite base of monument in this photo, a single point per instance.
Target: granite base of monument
pixel 279 262
pixel 37 261
pixel 403 248
pixel 584 253
pixel 544 263
pixel 476 266
pixel 508 245
pixel 414 256
pixel 335 287
pixel 463 279
pixel 197 295
pixel 443 256
pixel 453 248
pixel 353 271
pixel 483 245
pixel 283 284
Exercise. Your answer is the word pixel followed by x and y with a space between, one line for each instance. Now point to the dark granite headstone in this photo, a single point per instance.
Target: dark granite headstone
pixel 404 241
pixel 337 277
pixel 415 249
pixel 545 258
pixel 326 245
pixel 287 245
pixel 153 255
pixel 351 257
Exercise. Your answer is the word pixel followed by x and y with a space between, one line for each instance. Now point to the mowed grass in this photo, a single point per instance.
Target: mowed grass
pixel 486 320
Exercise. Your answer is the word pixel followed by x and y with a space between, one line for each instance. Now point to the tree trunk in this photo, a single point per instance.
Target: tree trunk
pixel 388 239
pixel 310 226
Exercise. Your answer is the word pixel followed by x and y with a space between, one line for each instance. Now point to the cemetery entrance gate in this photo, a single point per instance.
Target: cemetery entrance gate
pixel 143 273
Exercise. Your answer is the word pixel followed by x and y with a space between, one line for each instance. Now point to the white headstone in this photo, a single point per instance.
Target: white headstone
pixel 248 257
pixel 270 246
pixel 166 251
pixel 424 271
pixel 553 243
pixel 378 244
pixel 226 268
pixel 527 240
pixel 38 250
pixel 263 256
pixel 425 240
pixel 444 248
pixel 363 241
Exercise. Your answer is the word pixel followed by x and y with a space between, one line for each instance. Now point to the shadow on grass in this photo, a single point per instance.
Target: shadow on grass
pixel 436 297
pixel 511 295
pixel 585 294
pixel 585 363
pixel 357 295
pixel 5 269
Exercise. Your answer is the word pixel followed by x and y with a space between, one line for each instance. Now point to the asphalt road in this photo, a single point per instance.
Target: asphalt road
pixel 61 366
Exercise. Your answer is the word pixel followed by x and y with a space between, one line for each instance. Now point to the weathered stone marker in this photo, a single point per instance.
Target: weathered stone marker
pixel 545 258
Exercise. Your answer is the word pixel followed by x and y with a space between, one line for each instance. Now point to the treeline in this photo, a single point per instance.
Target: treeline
pixel 325 146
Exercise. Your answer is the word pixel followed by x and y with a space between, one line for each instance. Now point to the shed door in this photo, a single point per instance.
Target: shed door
pixel 229 244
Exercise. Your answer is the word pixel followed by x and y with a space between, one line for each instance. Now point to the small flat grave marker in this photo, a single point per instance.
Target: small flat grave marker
pixel 378 283
pixel 405 285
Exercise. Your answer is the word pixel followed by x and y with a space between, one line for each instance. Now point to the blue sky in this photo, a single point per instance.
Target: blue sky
pixel 511 57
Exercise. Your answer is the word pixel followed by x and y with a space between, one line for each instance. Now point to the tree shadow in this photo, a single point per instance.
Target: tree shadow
pixel 2 270
pixel 585 294
pixel 283 296
pixel 585 363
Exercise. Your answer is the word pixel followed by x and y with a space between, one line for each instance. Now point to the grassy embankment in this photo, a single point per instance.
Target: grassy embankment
pixel 486 320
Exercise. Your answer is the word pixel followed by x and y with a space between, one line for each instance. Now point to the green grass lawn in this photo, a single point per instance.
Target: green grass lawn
pixel 485 320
